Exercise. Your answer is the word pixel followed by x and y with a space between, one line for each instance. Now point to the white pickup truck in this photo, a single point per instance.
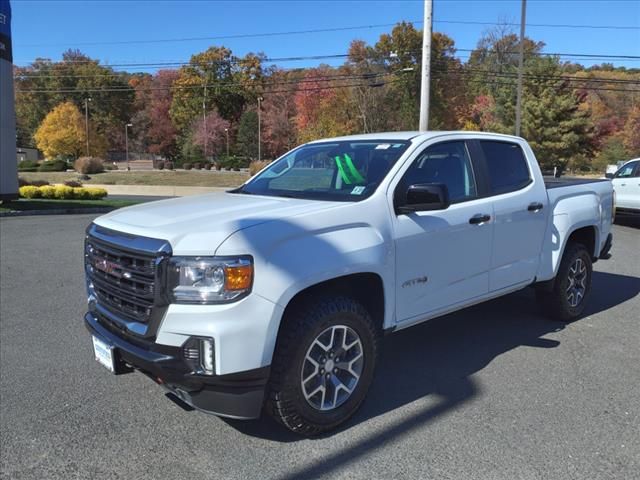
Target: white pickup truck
pixel 274 296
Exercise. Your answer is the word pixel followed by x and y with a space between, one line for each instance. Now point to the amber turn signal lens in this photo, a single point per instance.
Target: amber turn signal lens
pixel 238 277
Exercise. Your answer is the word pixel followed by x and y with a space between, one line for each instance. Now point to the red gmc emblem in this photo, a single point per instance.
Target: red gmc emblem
pixel 107 266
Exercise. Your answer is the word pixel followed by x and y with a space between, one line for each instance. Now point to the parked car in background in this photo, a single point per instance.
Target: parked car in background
pixel 626 185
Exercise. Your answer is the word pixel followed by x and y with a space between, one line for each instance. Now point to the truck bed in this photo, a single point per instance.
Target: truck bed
pixel 553 182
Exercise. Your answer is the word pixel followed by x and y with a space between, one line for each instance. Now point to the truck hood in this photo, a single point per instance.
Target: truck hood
pixel 197 225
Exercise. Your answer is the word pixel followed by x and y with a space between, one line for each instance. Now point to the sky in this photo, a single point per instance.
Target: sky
pixel 47 28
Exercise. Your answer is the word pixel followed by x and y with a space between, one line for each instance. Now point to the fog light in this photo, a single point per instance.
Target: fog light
pixel 199 354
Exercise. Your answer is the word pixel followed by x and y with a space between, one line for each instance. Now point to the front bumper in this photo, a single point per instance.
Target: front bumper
pixel 237 395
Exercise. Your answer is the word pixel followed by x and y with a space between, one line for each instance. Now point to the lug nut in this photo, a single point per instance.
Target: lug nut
pixel 321 371
pixel 335 370
pixel 328 376
pixel 337 359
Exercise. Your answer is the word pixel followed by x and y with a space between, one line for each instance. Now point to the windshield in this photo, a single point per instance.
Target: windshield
pixel 337 171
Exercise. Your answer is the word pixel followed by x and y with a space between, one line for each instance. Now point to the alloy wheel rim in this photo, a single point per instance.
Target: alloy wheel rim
pixel 332 368
pixel 577 282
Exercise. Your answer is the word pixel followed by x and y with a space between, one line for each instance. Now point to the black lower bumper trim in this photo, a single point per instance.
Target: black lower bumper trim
pixel 237 395
pixel 604 253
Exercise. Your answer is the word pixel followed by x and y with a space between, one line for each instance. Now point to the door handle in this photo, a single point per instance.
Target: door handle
pixel 535 207
pixel 479 219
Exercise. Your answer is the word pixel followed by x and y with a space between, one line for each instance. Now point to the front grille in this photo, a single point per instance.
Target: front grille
pixel 123 275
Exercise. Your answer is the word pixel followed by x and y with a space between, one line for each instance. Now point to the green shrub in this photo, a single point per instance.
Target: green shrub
pixel 29 191
pixel 168 165
pixel 160 165
pixel 53 166
pixel 62 192
pixel 187 166
pixel 95 193
pixel 89 165
pixel 48 191
pixel 80 193
pixel 197 165
pixel 109 166
pixel 28 166
pixel 207 166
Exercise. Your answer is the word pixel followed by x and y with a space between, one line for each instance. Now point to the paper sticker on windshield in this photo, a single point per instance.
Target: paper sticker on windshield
pixel 382 146
pixel 357 190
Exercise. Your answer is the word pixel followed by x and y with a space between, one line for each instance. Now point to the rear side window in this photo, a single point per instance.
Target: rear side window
pixel 507 168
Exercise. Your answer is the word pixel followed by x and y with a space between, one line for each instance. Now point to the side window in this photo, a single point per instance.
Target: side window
pixel 446 163
pixel 507 167
pixel 627 170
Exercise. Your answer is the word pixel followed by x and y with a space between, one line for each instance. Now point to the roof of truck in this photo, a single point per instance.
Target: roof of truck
pixel 414 136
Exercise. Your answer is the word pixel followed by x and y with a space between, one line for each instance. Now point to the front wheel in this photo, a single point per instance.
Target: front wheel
pixel 567 299
pixel 323 365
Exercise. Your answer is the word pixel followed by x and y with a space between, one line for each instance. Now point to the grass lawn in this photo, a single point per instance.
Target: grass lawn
pixel 42 204
pixel 202 178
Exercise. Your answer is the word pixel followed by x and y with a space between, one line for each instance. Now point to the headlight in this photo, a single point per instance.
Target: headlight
pixel 210 279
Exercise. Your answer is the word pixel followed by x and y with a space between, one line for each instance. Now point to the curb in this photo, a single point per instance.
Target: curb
pixel 157 190
pixel 57 211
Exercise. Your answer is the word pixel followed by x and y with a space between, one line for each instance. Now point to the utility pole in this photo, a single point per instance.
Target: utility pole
pixel 259 142
pixel 426 65
pixel 204 121
pixel 520 68
pixel 226 131
pixel 126 142
pixel 86 121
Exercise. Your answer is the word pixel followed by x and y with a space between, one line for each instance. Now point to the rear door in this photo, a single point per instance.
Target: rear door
pixel 520 209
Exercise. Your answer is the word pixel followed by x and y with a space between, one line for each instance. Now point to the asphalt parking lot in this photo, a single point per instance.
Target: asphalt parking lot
pixel 494 392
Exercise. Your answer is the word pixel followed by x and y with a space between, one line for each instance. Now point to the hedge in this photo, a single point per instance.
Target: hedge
pixel 63 192
pixel 53 166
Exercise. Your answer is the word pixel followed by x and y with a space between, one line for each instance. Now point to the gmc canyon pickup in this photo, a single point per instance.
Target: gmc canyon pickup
pixel 273 296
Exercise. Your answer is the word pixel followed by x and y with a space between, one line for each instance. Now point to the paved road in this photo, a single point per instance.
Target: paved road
pixel 494 392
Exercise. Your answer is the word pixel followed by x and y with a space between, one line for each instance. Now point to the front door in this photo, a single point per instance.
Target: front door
pixel 626 184
pixel 442 257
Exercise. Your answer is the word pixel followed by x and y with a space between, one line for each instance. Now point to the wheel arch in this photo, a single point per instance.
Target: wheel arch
pixel 364 287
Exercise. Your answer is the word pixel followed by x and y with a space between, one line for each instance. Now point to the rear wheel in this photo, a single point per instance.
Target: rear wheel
pixel 567 298
pixel 323 365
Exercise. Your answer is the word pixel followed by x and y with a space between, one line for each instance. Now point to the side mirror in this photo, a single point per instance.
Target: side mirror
pixel 609 175
pixel 425 196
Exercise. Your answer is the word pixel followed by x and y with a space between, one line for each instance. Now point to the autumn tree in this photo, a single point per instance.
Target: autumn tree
pixel 62 133
pixel 323 106
pixel 631 132
pixel 156 132
pixel 216 79
pixel 44 84
pixel 278 120
pixel 210 136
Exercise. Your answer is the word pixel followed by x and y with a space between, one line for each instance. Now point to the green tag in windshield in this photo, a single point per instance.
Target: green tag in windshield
pixel 350 173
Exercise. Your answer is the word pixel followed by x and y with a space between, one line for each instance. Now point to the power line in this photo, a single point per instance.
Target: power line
pixel 332 29
pixel 368 76
pixel 274 60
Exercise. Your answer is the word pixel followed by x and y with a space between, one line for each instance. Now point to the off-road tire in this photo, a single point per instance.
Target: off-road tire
pixel 302 324
pixel 553 300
